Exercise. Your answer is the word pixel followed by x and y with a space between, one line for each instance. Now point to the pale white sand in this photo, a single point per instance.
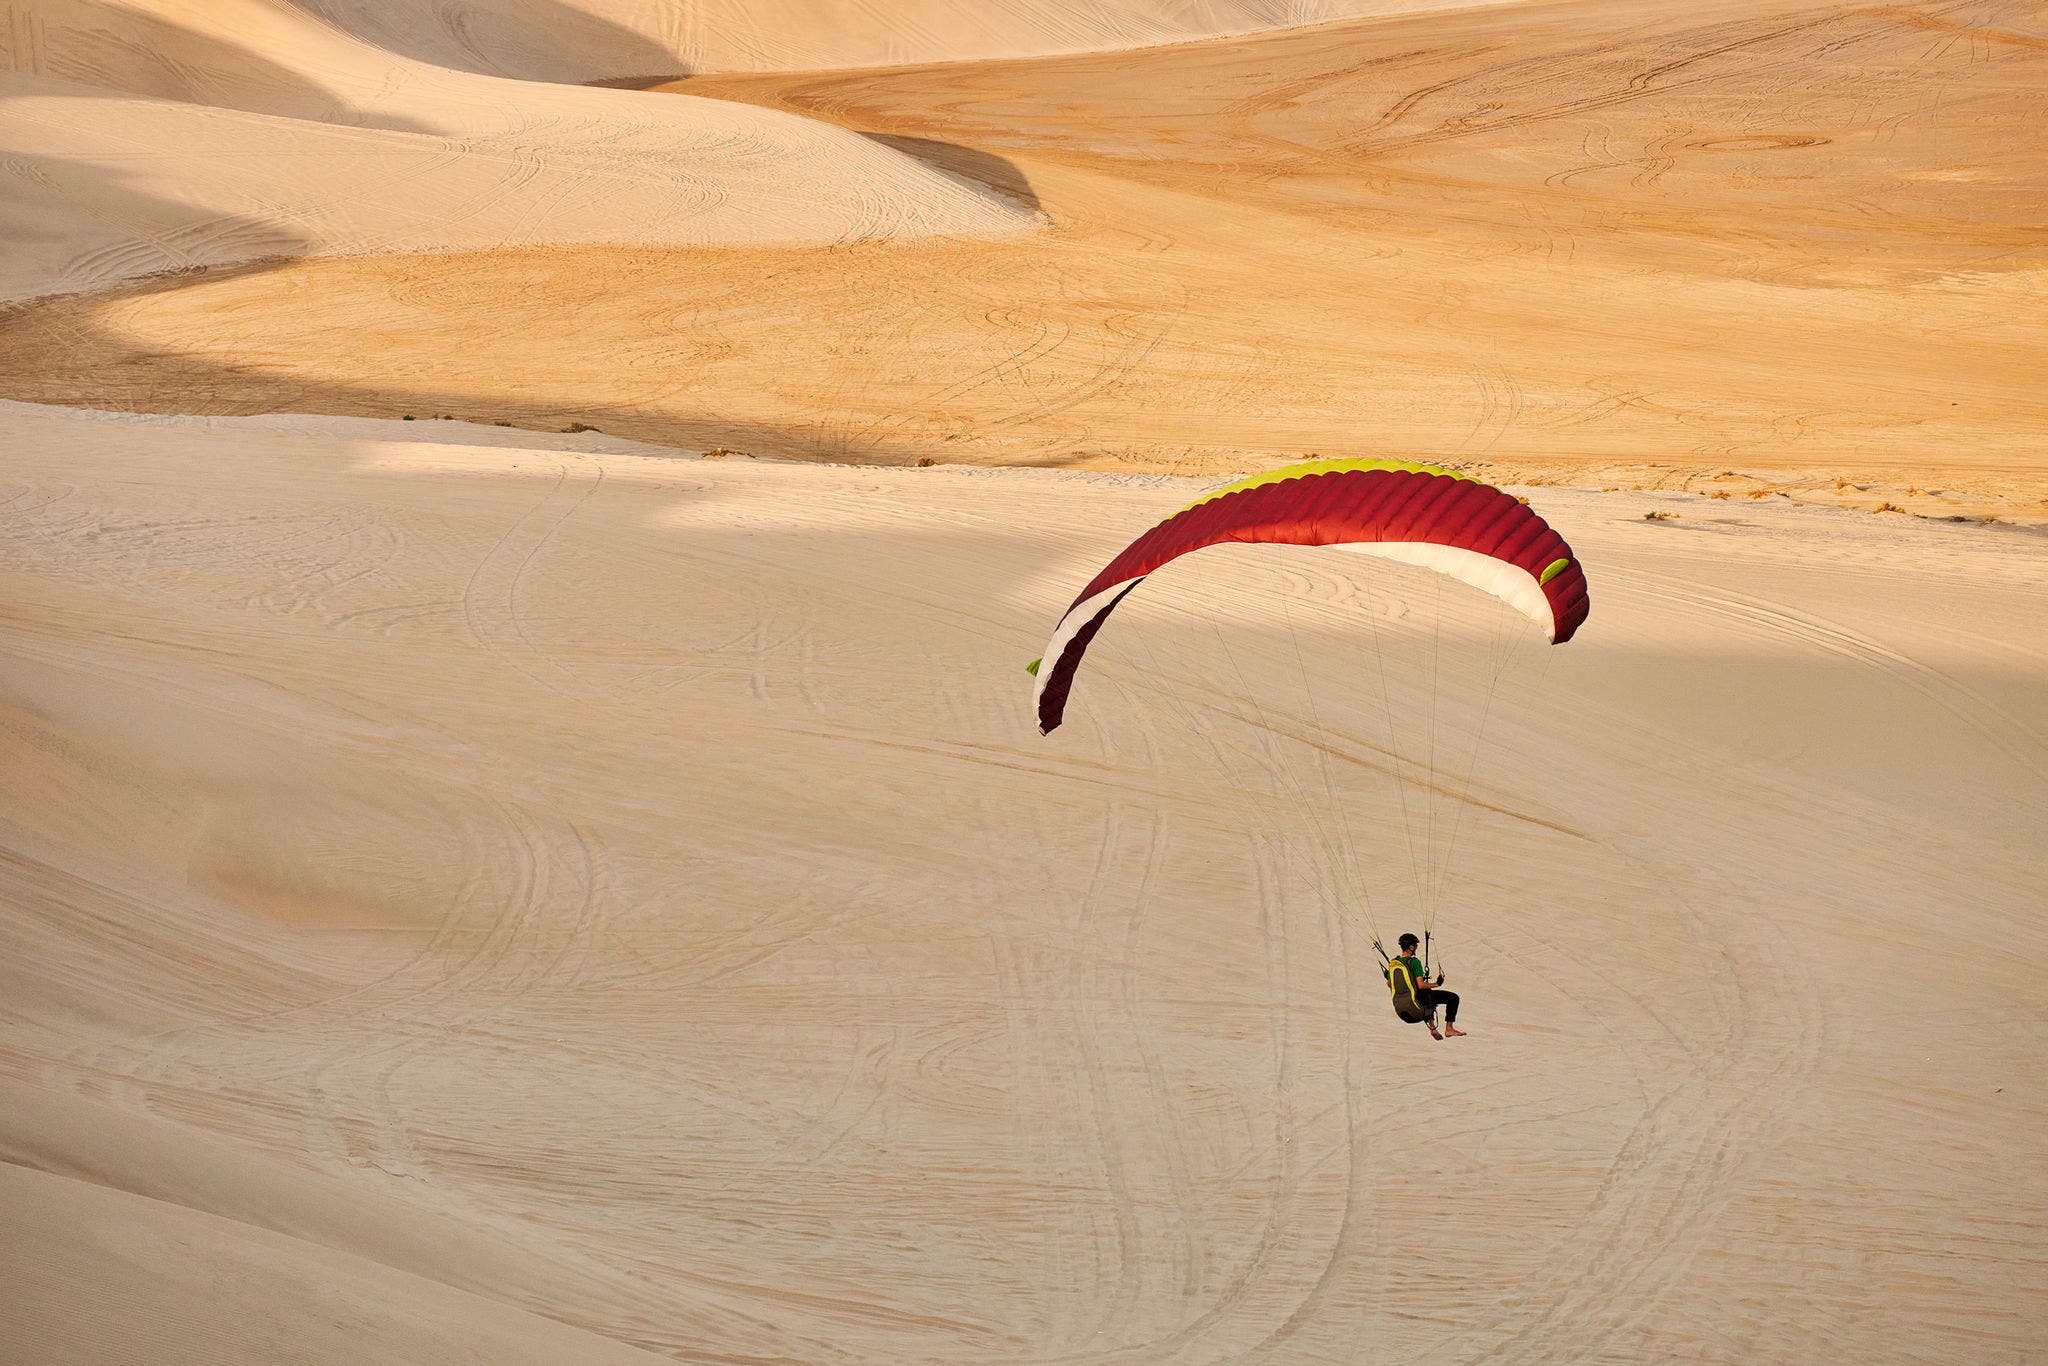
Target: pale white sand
pixel 549 904
pixel 167 134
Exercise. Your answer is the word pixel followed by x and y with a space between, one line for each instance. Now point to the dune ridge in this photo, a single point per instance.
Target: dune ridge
pixel 1740 252
pixel 162 135
pixel 589 40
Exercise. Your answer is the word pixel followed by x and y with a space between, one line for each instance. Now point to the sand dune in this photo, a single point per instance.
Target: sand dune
pixel 451 884
pixel 588 40
pixel 1743 252
pixel 173 135
pixel 97 1275
pixel 476 891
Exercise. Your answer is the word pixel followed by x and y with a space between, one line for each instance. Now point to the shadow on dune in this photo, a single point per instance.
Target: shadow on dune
pixel 62 349
pixel 61 343
pixel 529 40
pixel 109 47
pixel 984 169
pixel 59 194
pixel 631 82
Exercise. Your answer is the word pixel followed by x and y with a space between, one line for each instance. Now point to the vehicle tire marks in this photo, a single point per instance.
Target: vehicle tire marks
pixel 490 600
pixel 1967 705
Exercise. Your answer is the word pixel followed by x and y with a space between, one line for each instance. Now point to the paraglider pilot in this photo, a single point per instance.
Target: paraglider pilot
pixel 1428 994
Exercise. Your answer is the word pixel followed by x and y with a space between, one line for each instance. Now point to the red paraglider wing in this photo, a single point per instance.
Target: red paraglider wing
pixel 1414 513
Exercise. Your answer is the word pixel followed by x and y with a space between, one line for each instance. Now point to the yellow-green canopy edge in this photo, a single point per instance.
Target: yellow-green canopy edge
pixel 1309 467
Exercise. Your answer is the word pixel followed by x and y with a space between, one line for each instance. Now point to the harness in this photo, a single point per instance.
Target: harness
pixel 1401 982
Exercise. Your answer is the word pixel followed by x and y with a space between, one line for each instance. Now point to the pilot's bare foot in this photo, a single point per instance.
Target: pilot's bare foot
pixel 1451 1031
pixel 1432 1030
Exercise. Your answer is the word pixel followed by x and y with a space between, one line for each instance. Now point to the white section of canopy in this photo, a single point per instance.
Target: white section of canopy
pixel 1512 584
pixel 1063 635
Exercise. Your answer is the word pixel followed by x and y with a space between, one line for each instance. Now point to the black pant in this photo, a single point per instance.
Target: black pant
pixel 1429 998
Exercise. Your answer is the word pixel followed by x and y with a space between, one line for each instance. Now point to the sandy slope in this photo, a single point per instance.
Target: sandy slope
pixel 465 893
pixel 165 134
pixel 1766 248
pixel 588 40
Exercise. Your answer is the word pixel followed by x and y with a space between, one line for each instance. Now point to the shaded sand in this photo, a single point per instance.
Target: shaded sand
pixel 1763 249
pixel 176 134
pixel 590 40
pixel 570 906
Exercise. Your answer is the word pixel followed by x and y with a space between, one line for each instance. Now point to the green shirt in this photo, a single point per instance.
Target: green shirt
pixel 1414 966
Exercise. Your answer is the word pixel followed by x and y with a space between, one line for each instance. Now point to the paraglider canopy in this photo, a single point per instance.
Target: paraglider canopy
pixel 1418 514
pixel 1435 658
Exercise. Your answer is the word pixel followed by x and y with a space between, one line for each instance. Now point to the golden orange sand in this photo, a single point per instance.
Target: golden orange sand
pixel 1762 252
